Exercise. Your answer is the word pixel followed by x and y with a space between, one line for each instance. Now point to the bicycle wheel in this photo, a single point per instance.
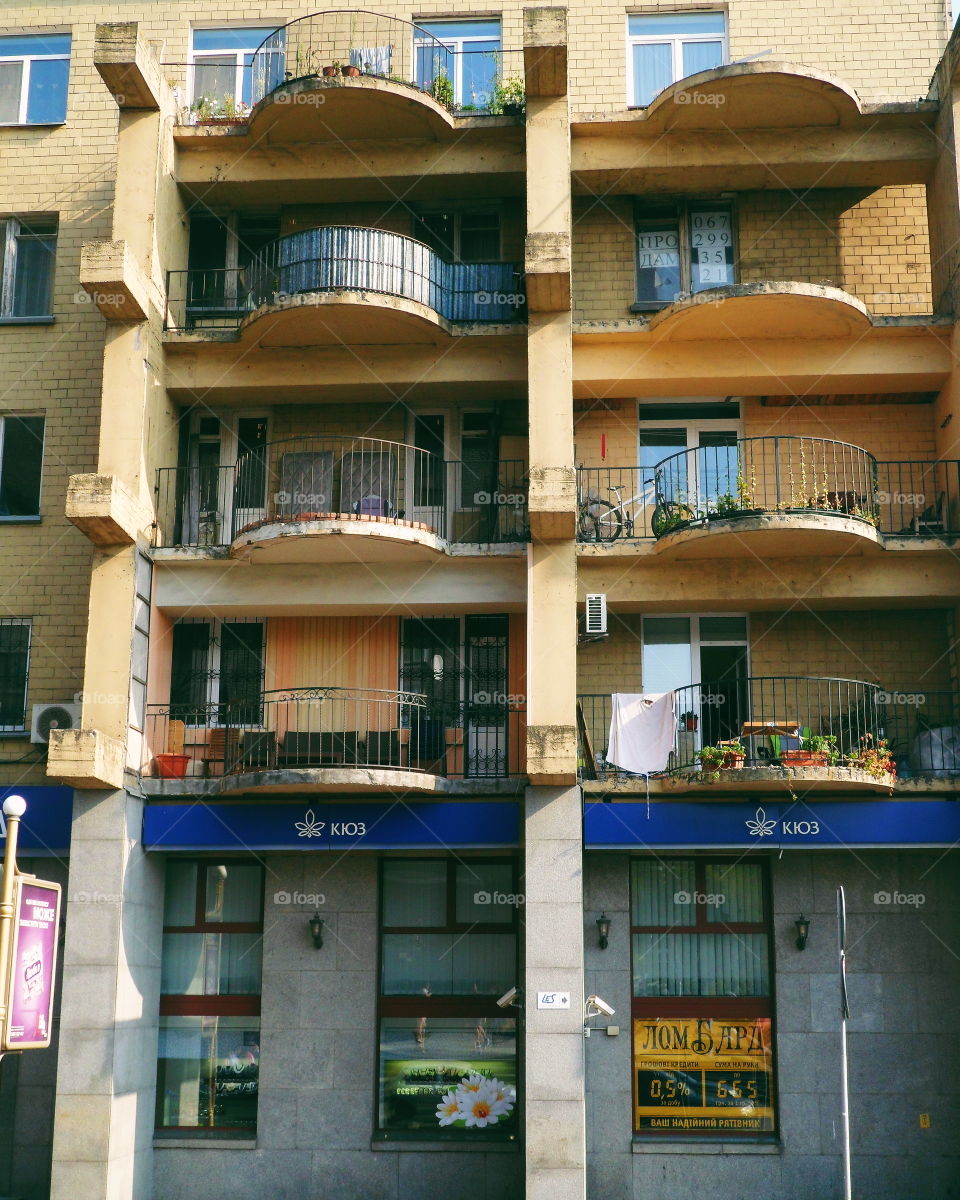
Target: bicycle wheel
pixel 599 521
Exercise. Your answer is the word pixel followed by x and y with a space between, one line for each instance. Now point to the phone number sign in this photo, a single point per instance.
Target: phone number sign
pixel 703 1074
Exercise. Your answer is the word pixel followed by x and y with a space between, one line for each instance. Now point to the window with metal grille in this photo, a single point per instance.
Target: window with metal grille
pixel 14 668
pixel 217 672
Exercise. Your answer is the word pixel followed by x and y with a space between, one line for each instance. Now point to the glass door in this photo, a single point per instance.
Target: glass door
pixel 692 483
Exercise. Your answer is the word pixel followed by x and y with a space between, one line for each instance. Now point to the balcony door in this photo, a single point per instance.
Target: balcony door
pixel 453 475
pixel 225 483
pixel 705 660
pixel 667 431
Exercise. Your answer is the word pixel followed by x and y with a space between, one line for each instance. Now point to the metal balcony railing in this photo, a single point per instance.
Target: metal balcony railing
pixel 345 258
pixel 350 728
pixel 312 477
pixel 772 716
pixel 755 476
pixel 923 729
pixel 469 82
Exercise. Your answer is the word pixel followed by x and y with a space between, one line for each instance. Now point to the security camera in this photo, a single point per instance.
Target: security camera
pixel 508 998
pixel 595 1006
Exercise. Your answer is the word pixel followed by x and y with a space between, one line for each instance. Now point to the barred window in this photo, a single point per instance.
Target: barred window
pixel 14 666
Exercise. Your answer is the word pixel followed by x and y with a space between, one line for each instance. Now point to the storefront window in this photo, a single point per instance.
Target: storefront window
pixel 448 949
pixel 702 1009
pixel 209 1046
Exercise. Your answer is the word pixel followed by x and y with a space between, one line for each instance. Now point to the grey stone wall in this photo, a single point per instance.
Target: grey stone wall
pixel 27 1090
pixel 319 1066
pixel 904 976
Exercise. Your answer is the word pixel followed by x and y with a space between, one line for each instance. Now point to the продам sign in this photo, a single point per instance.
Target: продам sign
pixel 33 965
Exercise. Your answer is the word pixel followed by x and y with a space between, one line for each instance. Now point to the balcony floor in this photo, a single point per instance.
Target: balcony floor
pixel 340 780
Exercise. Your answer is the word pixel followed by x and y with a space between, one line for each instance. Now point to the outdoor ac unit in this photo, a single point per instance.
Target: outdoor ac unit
pixel 596 613
pixel 53 716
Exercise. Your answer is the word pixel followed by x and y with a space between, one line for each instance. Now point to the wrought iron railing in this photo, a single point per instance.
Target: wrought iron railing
pixel 313 477
pixel 755 476
pixel 775 718
pixel 482 81
pixel 350 728
pixel 923 730
pixel 345 258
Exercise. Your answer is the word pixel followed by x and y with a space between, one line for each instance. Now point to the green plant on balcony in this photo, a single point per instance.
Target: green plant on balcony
pixel 725 757
pixel 208 109
pixel 508 97
pixel 874 756
pixel 822 743
pixel 441 89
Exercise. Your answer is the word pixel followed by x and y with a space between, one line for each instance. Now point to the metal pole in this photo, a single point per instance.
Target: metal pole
pixel 844 1014
pixel 13 809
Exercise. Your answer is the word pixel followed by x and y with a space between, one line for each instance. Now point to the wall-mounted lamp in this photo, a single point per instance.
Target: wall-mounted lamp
pixel 603 929
pixel 803 931
pixel 316 930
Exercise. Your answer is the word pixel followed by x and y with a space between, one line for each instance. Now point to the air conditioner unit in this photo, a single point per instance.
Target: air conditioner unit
pixel 53 716
pixel 596 613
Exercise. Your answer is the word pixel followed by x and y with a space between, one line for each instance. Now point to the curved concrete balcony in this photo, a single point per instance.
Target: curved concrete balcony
pixel 314 499
pixel 343 283
pixel 328 739
pixel 764 733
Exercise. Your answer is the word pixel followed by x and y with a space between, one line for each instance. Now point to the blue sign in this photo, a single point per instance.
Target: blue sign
pixel 45 826
pixel 796 824
pixel 329 825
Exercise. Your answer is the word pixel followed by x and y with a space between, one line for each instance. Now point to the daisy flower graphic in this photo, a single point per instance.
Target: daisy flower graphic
pixel 448 1110
pixel 477 1110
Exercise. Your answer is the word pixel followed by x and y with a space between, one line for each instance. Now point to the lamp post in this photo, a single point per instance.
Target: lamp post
pixel 13 809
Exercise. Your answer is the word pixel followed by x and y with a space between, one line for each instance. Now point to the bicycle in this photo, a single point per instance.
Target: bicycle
pixel 600 521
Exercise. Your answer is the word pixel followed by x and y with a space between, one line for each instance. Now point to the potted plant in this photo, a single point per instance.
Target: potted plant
pixel 350 70
pixel 874 756
pixel 333 68
pixel 508 97
pixel 689 722
pixel 205 111
pixel 816 750
pixel 729 756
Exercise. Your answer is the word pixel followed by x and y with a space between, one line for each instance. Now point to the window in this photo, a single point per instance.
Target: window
pixel 28 248
pixel 448 949
pixel 21 460
pixel 463 237
pixel 702 1008
pixel 663 49
pixel 33 79
pixel 14 668
pixel 682 248
pixel 208 1056
pixel 217 672
pixel 221 59
pixel 469 58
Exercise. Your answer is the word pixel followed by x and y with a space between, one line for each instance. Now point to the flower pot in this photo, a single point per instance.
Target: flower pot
pixel 328 71
pixel 351 72
pixel 733 761
pixel 690 724
pixel 513 110
pixel 803 758
pixel 172 766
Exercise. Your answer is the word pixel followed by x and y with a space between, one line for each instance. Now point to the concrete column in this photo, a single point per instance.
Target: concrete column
pixel 103 1126
pixel 555 1144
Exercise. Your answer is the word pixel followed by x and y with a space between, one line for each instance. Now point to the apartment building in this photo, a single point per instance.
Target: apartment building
pixel 480 501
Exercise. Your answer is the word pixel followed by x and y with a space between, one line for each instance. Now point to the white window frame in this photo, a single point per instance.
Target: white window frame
pixel 676 41
pixel 11 228
pixel 693 427
pixel 456 44
pixel 22 622
pixel 28 60
pixel 196 58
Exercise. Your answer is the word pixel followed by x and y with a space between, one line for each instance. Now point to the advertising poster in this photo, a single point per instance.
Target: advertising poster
pixel 703 1074
pixel 33 964
pixel 478 1094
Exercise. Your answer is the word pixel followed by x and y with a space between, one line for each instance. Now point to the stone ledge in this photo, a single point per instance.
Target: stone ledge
pixel 128 65
pixel 114 281
pixel 102 508
pixel 547 260
pixel 552 503
pixel 545 51
pixel 552 755
pixel 86 759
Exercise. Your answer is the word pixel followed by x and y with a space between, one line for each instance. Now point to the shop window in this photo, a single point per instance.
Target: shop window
pixel 663 48
pixel 220 66
pixel 466 52
pixel 14 669
pixel 208 1060
pixel 682 248
pixel 34 70
pixel 448 949
pixel 28 247
pixel 21 460
pixel 217 672
pixel 702 1005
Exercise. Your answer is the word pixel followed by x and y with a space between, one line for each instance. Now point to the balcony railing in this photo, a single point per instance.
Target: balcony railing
pixel 335 727
pixel 772 716
pixel 468 82
pixel 923 729
pixel 310 478
pixel 757 476
pixel 345 258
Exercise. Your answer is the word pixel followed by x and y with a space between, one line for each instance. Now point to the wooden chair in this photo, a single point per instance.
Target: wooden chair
pixel 223 747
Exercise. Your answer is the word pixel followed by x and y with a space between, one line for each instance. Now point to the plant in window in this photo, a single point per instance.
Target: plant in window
pixel 441 89
pixel 508 97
